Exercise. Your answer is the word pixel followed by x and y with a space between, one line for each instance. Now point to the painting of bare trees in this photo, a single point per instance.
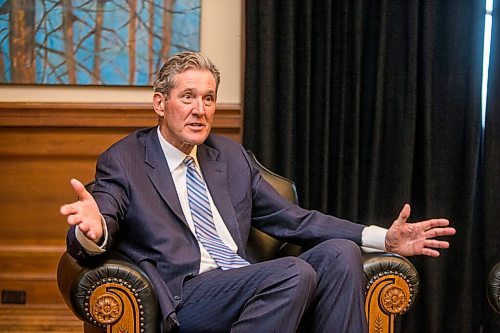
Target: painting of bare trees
pixel 93 42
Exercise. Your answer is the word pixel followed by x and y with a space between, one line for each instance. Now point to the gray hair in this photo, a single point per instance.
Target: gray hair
pixel 179 63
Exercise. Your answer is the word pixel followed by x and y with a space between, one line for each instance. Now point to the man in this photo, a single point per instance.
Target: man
pixel 180 202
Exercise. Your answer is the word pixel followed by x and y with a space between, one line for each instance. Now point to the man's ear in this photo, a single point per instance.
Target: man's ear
pixel 159 104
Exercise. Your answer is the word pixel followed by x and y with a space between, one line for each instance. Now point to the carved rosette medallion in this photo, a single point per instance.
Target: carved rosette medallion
pixel 395 300
pixel 107 309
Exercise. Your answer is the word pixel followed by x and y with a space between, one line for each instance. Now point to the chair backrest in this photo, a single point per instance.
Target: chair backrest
pixel 263 247
pixel 284 186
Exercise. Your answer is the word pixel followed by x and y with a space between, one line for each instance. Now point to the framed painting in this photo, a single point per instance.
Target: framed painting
pixel 93 42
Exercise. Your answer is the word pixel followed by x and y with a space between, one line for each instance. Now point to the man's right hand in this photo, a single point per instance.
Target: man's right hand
pixel 84 213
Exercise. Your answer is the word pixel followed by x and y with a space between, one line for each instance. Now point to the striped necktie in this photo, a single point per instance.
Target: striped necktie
pixel 203 221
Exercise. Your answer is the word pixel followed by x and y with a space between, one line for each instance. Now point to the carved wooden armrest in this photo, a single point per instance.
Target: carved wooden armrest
pixel 493 287
pixel 391 289
pixel 112 293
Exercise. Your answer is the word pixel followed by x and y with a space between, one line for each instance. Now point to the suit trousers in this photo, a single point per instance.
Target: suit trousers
pixel 322 290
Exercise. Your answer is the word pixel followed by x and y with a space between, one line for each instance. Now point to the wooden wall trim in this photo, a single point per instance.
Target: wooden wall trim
pixel 110 115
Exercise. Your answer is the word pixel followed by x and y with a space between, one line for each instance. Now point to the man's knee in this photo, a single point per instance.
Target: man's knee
pixel 300 274
pixel 340 247
pixel 337 254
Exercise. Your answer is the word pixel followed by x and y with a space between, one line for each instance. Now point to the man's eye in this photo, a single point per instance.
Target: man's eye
pixel 209 100
pixel 187 96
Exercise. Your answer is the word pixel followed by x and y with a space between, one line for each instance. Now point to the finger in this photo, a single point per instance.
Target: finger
pixel 68 209
pixel 84 228
pixel 436 244
pixel 438 232
pixel 430 252
pixel 434 223
pixel 87 231
pixel 404 214
pixel 91 235
pixel 74 219
pixel 79 189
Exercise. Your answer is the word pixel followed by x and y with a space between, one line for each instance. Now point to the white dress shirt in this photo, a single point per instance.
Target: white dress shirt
pixel 175 160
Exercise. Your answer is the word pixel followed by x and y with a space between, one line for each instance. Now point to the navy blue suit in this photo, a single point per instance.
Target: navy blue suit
pixel 136 195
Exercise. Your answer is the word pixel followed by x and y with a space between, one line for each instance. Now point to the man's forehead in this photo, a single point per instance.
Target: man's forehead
pixel 195 79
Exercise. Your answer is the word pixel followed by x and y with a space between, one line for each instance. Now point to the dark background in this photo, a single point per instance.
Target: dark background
pixel 369 104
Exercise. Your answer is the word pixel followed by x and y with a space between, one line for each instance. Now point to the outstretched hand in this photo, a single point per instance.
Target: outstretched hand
pixel 409 239
pixel 84 213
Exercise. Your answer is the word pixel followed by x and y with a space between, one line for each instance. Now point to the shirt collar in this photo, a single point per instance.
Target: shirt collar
pixel 174 156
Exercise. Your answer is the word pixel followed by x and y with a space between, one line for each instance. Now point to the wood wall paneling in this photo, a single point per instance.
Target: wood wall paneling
pixel 42 146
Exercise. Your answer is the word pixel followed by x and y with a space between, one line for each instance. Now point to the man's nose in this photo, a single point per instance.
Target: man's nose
pixel 198 106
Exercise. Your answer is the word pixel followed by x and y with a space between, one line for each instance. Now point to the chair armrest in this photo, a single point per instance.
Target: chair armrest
pixel 111 293
pixel 114 293
pixel 493 287
pixel 391 289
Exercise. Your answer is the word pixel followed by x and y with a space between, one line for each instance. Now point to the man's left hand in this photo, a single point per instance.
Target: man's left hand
pixel 409 239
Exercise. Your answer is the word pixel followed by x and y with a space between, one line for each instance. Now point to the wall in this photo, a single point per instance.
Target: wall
pixel 221 29
pixel 50 134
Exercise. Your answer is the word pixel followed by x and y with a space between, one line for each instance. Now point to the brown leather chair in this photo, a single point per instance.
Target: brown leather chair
pixel 113 294
pixel 493 287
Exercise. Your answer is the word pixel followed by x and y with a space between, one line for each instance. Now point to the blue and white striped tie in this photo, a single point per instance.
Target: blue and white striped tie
pixel 204 223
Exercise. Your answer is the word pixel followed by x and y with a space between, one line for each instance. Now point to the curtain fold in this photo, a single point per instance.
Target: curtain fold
pixel 367 105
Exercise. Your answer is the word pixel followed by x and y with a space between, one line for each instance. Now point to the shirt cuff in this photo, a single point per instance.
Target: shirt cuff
pixel 373 238
pixel 89 246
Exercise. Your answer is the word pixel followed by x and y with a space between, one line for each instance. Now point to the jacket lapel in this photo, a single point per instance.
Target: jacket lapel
pixel 160 174
pixel 215 174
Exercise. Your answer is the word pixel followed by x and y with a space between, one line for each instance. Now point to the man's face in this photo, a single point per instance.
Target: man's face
pixel 188 112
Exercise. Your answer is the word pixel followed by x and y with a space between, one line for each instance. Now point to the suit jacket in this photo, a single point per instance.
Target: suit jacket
pixel 136 195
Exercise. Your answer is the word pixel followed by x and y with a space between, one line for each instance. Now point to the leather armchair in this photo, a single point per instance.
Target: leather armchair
pixel 114 295
pixel 493 287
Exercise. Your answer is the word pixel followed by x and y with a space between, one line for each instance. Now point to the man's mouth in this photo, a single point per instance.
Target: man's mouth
pixel 199 125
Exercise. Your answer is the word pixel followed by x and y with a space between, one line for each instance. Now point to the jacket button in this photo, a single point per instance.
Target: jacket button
pixel 177 298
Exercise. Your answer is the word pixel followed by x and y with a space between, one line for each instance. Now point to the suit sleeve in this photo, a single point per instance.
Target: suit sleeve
pixel 112 197
pixel 276 216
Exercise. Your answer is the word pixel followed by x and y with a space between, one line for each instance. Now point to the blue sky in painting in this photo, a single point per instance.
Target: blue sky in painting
pixel 51 66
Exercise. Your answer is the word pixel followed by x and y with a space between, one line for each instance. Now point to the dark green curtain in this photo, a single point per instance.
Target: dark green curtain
pixel 490 219
pixel 371 104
